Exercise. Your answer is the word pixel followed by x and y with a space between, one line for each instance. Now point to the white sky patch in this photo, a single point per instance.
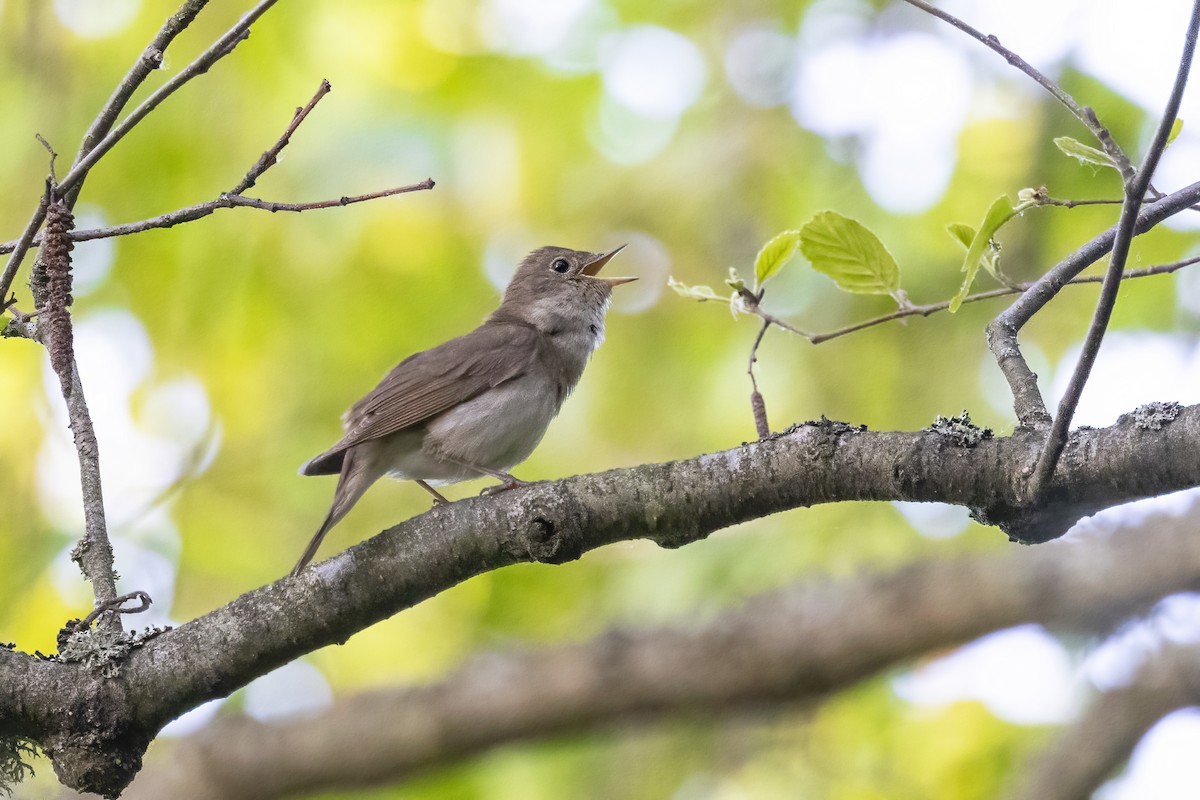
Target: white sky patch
pixel 1132 368
pixel 97 18
pixel 1114 663
pixel 626 137
pixel 194 720
pixel 760 65
pixel 142 455
pixel 1041 31
pixel 648 259
pixel 935 520
pixel 652 71
pixel 904 97
pixel 91 261
pixel 1136 52
pixel 1164 764
pixel 1022 675
pixel 529 27
pixel 295 688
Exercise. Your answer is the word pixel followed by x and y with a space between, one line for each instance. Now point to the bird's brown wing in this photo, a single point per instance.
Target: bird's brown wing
pixel 432 381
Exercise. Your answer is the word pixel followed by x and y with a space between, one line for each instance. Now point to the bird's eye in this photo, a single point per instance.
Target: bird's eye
pixel 560 265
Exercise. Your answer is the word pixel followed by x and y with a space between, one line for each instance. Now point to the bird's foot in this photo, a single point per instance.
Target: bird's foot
pixel 509 482
pixel 438 500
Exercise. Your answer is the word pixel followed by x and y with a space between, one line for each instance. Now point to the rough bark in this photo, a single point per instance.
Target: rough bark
pixel 98 745
pixel 792 645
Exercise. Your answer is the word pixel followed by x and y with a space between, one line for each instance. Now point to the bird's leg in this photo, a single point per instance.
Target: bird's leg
pixel 438 500
pixel 509 482
pixel 506 481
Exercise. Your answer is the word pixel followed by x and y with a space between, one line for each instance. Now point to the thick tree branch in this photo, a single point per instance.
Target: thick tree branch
pixel 793 645
pixel 1135 191
pixel 1091 749
pixel 673 504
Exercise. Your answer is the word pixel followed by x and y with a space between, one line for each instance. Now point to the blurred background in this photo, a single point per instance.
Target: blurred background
pixel 219 355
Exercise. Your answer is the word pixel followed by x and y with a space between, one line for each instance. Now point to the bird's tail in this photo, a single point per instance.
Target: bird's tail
pixel 354 479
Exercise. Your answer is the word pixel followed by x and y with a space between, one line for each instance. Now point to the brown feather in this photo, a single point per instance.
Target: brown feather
pixel 432 381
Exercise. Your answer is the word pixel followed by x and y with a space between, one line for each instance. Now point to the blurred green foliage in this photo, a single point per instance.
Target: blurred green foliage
pixel 286 319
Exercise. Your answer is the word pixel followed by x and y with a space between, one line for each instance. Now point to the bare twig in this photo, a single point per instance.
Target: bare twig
pixel 53 156
pixel 115 605
pixel 150 59
pixel 51 287
pixel 201 210
pixel 265 205
pixel 1084 114
pixel 1134 193
pixel 269 158
pixel 1054 201
pixel 21 246
pixel 218 50
pixel 103 135
pixel 757 404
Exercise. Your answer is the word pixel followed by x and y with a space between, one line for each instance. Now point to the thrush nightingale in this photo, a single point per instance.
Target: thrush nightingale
pixel 478 404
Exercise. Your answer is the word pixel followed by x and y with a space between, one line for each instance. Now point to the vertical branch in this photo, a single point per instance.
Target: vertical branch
pixel 51 284
pixel 757 404
pixel 1135 191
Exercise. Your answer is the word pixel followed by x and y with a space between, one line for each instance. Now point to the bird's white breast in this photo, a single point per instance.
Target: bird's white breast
pixel 497 429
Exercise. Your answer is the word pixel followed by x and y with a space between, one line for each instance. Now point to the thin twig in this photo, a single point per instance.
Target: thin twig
pixel 218 50
pixel 201 210
pixel 51 286
pixel 150 59
pixel 102 136
pixel 266 205
pixel 1084 114
pixel 115 605
pixel 1054 201
pixel 757 404
pixel 21 246
pixel 1112 279
pixel 932 308
pixel 53 156
pixel 269 158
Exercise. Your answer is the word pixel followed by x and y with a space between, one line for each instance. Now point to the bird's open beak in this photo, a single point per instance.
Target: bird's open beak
pixel 592 268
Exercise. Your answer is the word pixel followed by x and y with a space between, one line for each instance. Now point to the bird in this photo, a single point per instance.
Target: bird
pixel 479 404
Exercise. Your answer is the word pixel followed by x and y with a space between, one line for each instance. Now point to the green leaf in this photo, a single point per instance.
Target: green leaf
pixel 1176 128
pixel 774 255
pixel 965 234
pixel 982 251
pixel 848 252
pixel 1087 155
pixel 734 281
pixel 962 233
